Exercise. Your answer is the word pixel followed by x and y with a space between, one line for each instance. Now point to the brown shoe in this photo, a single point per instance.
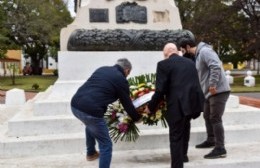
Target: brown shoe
pixel 93 157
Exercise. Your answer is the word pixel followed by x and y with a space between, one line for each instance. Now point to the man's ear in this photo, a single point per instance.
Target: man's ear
pixel 127 72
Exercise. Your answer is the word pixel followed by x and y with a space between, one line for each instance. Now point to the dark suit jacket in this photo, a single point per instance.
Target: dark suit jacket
pixel 177 81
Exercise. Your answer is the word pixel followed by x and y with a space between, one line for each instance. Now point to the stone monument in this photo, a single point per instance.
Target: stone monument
pixel 132 18
pixel 104 31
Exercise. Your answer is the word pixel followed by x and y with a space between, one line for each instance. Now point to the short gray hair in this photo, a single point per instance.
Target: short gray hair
pixel 124 63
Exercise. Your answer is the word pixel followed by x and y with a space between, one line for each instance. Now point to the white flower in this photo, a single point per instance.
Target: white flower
pixel 119 114
pixel 149 84
pixel 121 119
pixel 133 87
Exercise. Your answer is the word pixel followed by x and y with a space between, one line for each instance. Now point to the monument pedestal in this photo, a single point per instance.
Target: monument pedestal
pixel 76 67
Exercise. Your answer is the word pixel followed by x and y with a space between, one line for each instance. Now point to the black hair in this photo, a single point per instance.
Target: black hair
pixel 183 42
pixel 187 39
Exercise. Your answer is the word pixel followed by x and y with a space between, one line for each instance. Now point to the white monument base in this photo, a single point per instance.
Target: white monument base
pixel 76 67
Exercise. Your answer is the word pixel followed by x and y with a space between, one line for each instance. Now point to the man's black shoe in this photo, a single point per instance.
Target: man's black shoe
pixel 216 153
pixel 205 144
pixel 185 159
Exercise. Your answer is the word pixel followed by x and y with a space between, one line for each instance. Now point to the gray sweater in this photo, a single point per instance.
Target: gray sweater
pixel 210 70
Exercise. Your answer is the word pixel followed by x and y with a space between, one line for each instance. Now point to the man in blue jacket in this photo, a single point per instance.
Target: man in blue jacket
pixel 216 90
pixel 105 85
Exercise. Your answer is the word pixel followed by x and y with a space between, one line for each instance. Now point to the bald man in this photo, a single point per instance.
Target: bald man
pixel 177 82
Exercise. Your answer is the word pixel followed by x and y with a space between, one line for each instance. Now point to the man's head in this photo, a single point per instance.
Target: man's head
pixel 169 49
pixel 125 64
pixel 187 46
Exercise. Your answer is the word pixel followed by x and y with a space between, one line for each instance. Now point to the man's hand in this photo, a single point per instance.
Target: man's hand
pixel 212 90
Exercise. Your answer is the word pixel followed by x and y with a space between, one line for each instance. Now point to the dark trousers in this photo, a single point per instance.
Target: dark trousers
pixel 214 108
pixel 179 140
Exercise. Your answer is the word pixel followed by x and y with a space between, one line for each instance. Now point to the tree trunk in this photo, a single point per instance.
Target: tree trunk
pixel 258 62
pixel 37 69
pixel 13 68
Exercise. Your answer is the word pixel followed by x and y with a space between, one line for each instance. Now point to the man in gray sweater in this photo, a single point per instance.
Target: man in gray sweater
pixel 216 90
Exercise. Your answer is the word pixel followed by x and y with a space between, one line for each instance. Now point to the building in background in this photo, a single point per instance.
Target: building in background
pixel 16 58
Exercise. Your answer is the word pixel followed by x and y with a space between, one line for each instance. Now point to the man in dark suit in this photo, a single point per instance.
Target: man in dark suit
pixel 177 81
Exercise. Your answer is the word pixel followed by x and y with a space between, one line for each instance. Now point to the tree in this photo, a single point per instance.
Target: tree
pixel 35 26
pixel 5 42
pixel 221 24
pixel 251 10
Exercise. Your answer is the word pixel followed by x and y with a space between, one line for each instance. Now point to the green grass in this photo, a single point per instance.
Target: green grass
pixel 238 85
pixel 26 82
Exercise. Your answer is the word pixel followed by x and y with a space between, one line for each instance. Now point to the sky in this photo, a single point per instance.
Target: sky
pixel 70 6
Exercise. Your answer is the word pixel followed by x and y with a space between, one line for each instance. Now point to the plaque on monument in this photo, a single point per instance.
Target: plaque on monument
pixel 127 12
pixel 98 15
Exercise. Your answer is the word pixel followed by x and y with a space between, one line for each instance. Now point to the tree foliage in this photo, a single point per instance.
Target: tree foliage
pixel 231 26
pixel 35 25
pixel 5 42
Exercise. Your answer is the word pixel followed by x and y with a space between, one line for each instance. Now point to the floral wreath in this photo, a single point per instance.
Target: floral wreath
pixel 120 124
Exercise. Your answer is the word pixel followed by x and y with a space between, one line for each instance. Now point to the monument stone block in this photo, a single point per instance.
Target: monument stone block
pixel 156 15
pixel 161 16
pixel 15 97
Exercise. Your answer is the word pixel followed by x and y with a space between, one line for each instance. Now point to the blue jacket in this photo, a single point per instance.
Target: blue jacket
pixel 105 85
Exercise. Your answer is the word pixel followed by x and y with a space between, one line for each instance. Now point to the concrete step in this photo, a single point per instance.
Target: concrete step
pixel 25 124
pixel 52 107
pixel 149 139
pixel 58 101
pixel 46 105
pixel 245 155
pixel 44 125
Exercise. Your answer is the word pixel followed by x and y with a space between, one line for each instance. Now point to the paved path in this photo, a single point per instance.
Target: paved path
pixel 156 158
pixel 250 99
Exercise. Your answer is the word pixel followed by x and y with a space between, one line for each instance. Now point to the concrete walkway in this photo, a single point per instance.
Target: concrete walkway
pixel 239 156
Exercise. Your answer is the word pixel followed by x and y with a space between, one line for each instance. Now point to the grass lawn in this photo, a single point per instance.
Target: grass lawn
pixel 26 82
pixel 238 85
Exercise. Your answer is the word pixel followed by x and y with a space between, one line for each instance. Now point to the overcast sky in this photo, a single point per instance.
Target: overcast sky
pixel 70 6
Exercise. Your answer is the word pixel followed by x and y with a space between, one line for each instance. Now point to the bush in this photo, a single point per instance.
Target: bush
pixel 35 86
pixel 55 72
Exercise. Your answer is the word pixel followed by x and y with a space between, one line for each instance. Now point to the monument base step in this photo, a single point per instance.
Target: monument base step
pixel 238 156
pixel 26 124
pixel 149 139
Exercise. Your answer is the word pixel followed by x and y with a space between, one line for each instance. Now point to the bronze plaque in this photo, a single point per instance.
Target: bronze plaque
pixel 131 12
pixel 98 15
